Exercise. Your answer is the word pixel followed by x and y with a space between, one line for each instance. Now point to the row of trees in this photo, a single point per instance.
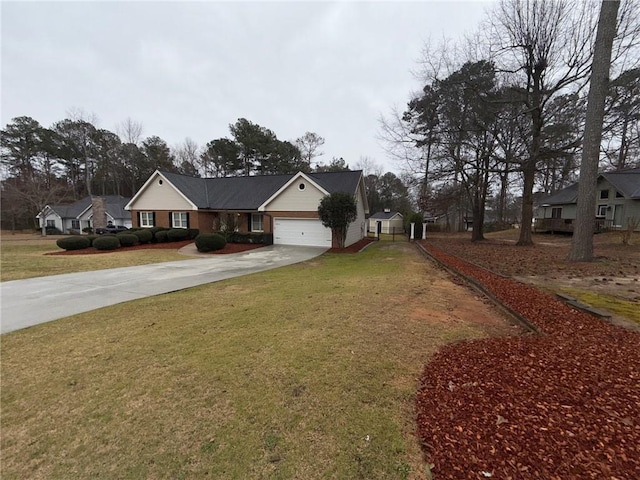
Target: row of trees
pixel 74 158
pixel 504 111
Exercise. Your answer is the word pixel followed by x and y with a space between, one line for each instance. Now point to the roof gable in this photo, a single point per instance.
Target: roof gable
pixel 386 215
pixel 627 182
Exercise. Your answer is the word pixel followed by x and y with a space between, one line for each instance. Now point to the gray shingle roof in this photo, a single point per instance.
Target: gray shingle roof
pixel 562 197
pixel 627 182
pixel 248 193
pixel 114 204
pixel 384 215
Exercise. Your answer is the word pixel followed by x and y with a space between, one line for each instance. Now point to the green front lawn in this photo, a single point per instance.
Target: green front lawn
pixel 306 372
pixel 24 257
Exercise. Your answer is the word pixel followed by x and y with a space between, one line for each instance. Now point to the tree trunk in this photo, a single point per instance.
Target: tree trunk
pixel 582 241
pixel 529 173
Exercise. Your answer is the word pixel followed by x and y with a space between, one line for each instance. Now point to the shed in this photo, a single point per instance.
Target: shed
pixel 389 222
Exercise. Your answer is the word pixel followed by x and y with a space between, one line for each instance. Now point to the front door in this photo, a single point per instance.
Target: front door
pixel 617 216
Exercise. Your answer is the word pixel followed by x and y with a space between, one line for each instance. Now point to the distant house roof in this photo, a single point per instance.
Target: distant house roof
pixel 385 215
pixel 627 182
pixel 114 205
pixel 249 193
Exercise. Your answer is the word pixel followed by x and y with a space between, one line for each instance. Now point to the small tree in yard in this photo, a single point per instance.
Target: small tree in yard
pixel 337 211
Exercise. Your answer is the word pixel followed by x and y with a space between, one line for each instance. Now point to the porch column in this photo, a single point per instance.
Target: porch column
pixel 413 229
pixel 424 231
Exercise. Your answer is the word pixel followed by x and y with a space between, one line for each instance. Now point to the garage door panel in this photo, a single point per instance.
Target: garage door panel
pixel 309 232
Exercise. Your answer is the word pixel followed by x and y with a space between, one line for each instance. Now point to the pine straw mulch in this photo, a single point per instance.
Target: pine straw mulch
pixel 563 405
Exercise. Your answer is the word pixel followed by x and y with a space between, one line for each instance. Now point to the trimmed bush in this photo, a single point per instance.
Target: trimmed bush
pixel 106 242
pixel 91 238
pixel 52 231
pixel 210 242
pixel 127 239
pixel 75 242
pixel 253 238
pixel 178 234
pixel 144 235
pixel 193 233
pixel 161 236
pixel 87 230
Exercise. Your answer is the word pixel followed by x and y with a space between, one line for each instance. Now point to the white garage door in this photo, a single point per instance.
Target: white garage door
pixel 293 231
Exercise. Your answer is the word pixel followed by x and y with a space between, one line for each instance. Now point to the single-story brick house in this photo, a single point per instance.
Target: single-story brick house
pixel 386 222
pixel 283 205
pixel 617 202
pixel 74 217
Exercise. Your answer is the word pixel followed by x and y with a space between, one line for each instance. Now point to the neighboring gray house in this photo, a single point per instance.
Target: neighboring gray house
pixel 617 202
pixel 74 217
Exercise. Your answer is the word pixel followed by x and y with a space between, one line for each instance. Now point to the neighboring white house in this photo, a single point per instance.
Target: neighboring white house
pixel 75 217
pixel 386 222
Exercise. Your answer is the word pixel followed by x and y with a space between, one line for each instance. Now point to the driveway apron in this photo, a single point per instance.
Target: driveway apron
pixel 38 300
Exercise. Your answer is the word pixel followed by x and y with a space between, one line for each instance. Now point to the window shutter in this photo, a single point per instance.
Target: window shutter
pixel 188 226
pixel 170 219
pixel 249 227
pixel 153 219
pixel 139 219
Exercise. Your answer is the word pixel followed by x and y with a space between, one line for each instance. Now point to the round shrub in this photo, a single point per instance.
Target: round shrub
pixel 127 239
pixel 178 234
pixel 91 238
pixel 144 235
pixel 193 233
pixel 210 242
pixel 106 242
pixel 161 236
pixel 74 242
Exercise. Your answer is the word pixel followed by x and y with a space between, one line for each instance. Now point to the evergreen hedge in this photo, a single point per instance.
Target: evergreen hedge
pixel 74 242
pixel 106 242
pixel 210 242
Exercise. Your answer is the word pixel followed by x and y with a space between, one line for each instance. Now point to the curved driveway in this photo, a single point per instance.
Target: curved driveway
pixel 39 300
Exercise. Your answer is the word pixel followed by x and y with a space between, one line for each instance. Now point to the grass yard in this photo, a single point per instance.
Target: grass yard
pixel 23 256
pixel 304 372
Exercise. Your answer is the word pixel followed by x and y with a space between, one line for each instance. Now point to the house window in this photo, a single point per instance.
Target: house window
pixel 256 222
pixel 619 195
pixel 51 223
pixel 556 212
pixel 602 211
pixel 604 194
pixel 179 219
pixel 75 224
pixel 146 219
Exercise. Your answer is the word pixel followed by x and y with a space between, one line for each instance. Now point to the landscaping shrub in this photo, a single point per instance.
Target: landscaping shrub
pixel 127 239
pixel 210 242
pixel 178 234
pixel 416 218
pixel 144 235
pixel 75 242
pixel 155 230
pixel 253 238
pixel 87 230
pixel 193 233
pixel 52 231
pixel 161 236
pixel 91 238
pixel 106 242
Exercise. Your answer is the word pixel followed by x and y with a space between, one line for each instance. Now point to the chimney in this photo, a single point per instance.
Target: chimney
pixel 387 210
pixel 99 212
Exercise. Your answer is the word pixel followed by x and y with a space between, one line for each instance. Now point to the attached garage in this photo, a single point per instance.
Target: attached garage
pixel 297 231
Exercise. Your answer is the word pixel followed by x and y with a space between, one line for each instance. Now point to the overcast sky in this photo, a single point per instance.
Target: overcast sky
pixel 189 69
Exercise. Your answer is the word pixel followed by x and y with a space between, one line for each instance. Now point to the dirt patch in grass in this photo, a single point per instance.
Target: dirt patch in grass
pixel 355 247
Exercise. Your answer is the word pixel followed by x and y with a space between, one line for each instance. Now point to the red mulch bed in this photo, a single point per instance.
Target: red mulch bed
pixel 228 248
pixel 354 248
pixel 565 405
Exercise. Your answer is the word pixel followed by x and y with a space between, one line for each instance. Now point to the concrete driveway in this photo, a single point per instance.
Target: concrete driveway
pixel 39 300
